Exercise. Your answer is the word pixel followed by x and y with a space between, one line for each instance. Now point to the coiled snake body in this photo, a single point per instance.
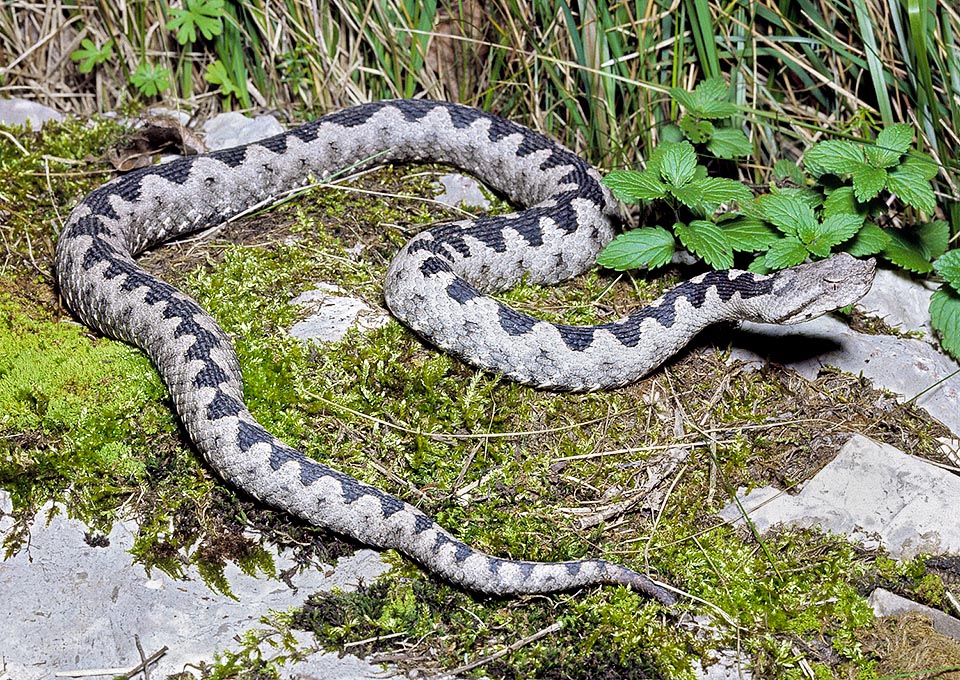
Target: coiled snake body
pixel 437 285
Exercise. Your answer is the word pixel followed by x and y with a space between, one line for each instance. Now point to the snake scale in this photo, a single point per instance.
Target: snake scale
pixel 438 285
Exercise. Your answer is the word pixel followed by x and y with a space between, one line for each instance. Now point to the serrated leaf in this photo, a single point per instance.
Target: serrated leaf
pixel 786 212
pixel 945 318
pixel 834 156
pixel 869 240
pixel 696 130
pixel 729 143
pixel 868 181
pixel 691 195
pixel 631 186
pixel 671 134
pixel 935 237
pixel 687 100
pixel 908 181
pixel 881 158
pixel 749 234
pixel 712 89
pixel 784 169
pixel 948 266
pixel 759 265
pixel 787 252
pixel 805 195
pixel 706 240
pixel 906 253
pixel 922 164
pixel 715 190
pixel 717 109
pixel 678 163
pixel 832 231
pixel 650 247
pixel 896 137
pixel 841 201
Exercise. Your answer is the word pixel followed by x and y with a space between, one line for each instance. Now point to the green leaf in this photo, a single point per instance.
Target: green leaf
pixel 706 240
pixel 841 201
pixel 729 143
pixel 870 240
pixel 784 169
pixel 716 109
pixel 759 265
pixel 948 266
pixel 935 237
pixel 203 15
pixel 216 73
pixel 896 137
pixel 708 100
pixel 150 79
pixel 649 247
pixel 787 252
pixel 916 247
pixel 945 318
pixel 712 90
pixel 907 253
pixel 868 181
pixel 716 190
pixel 749 234
pixel 892 142
pixel 678 163
pixel 695 129
pixel 631 186
pixel 832 231
pixel 691 195
pixel 89 55
pixel 687 100
pixel 786 212
pixel 922 164
pixel 834 156
pixel 908 181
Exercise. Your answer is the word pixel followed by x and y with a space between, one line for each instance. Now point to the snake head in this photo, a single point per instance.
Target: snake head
pixel 810 290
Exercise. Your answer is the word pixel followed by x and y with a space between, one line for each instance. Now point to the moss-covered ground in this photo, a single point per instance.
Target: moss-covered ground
pixel 635 475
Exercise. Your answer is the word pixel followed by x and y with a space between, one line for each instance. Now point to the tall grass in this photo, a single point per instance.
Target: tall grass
pixel 590 72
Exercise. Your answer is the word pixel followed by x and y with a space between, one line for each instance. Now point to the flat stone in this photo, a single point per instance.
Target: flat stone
pixel 885 603
pixel 904 366
pixel 26 113
pixel 462 191
pixel 727 666
pixel 899 300
pixel 333 315
pixel 69 606
pixel 872 493
pixel 233 129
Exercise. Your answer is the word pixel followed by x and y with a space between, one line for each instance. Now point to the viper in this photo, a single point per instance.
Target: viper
pixel 439 285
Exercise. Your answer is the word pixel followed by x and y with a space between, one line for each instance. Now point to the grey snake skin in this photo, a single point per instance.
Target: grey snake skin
pixel 438 285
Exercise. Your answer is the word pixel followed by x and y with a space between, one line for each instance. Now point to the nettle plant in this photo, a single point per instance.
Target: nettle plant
pixel 828 204
pixel 195 20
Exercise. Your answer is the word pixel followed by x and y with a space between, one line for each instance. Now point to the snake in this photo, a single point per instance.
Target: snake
pixel 440 284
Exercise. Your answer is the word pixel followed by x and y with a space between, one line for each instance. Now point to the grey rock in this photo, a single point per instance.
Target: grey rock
pixel 885 603
pixel 902 365
pixel 462 191
pixel 872 493
pixel 69 606
pixel 899 300
pixel 232 129
pixel 333 315
pixel 26 113
pixel 728 666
